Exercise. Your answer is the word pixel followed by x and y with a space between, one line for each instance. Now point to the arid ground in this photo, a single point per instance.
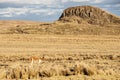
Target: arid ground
pixel 67 57
pixel 83 44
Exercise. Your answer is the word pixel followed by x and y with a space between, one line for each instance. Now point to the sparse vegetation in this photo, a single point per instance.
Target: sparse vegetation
pixel 84 44
pixel 43 70
pixel 67 57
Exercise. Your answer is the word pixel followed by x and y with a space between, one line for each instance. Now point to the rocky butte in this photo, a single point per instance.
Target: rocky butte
pixel 90 14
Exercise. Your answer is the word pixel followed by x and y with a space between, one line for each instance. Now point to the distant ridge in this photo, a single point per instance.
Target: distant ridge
pixel 90 14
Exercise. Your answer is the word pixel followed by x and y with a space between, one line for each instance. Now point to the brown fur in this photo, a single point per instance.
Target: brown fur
pixel 36 58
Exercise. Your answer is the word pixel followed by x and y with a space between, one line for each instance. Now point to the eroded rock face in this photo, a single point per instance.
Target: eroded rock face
pixel 92 15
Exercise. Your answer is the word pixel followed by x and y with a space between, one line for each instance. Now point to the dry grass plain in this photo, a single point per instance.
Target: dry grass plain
pixel 68 57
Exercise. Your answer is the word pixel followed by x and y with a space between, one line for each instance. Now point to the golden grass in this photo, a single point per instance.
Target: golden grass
pixel 58 28
pixel 68 57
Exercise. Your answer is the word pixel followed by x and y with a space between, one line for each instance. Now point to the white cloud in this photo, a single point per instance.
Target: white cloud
pixel 45 12
pixel 89 1
pixel 45 8
pixel 5 14
pixel 37 11
pixel 38 1
pixel 63 1
pixel 8 0
pixel 11 12
pixel 30 1
pixel 117 5
pixel 51 13
pixel 98 1
pixel 79 0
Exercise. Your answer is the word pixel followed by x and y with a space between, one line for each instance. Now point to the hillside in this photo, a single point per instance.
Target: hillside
pixel 74 20
pixel 91 15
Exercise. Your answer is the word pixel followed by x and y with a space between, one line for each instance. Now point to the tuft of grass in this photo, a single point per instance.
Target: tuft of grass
pixel 40 71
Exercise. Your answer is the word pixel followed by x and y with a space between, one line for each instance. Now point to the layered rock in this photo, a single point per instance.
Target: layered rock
pixel 92 15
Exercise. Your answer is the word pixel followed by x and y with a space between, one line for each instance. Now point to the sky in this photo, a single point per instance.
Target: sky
pixel 49 10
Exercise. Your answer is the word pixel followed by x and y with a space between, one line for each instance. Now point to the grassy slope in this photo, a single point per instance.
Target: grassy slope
pixel 59 28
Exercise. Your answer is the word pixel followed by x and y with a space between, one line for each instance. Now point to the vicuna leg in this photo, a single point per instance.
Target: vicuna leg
pixel 32 62
pixel 39 61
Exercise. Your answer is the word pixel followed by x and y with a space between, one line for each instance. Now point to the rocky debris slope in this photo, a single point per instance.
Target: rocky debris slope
pixel 92 15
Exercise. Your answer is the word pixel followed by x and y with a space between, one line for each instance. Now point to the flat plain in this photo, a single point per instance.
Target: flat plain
pixel 67 57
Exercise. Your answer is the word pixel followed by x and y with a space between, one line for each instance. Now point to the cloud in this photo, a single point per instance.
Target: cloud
pixel 63 1
pixel 29 1
pixel 5 14
pixel 49 9
pixel 89 1
pixel 8 0
pixel 80 0
pixel 98 1
pixel 45 12
pixel 117 5
pixel 10 12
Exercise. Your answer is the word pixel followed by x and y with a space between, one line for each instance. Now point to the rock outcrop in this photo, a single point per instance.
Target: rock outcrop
pixel 91 15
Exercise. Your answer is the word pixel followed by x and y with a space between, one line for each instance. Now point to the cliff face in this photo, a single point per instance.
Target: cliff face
pixel 91 15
